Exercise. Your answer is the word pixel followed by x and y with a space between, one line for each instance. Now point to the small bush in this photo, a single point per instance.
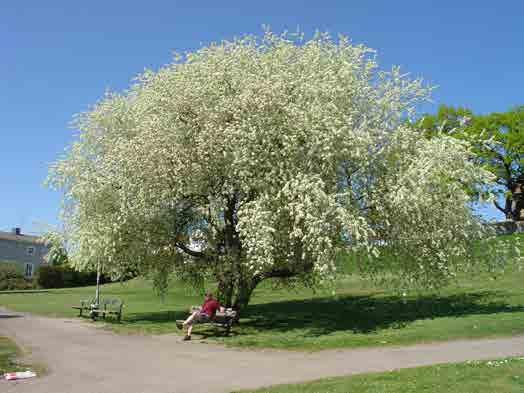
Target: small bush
pixel 12 278
pixel 49 277
pixel 65 277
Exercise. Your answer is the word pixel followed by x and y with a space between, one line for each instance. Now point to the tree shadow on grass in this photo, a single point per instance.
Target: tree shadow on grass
pixel 359 314
pixel 367 314
pixel 169 317
pixel 157 317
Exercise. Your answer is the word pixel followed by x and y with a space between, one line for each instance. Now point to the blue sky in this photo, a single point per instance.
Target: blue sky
pixel 58 57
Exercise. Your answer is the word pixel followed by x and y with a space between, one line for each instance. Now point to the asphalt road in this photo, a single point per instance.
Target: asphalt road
pixel 84 359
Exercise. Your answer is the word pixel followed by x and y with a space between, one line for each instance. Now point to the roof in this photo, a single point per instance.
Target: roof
pixel 21 238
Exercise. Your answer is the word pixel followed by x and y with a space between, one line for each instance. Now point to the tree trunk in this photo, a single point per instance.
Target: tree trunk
pixel 517 204
pixel 225 292
pixel 243 296
pixel 236 295
pixel 507 208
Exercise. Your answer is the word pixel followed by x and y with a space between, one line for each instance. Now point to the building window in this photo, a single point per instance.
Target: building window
pixel 29 270
pixel 30 251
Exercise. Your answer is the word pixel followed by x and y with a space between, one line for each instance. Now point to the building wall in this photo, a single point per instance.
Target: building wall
pixel 19 253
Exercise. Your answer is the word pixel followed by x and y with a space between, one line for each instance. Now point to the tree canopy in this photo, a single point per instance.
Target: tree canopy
pixel 262 158
pixel 498 141
pixel 57 252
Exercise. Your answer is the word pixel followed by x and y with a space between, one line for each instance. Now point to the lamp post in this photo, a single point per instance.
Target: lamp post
pixel 97 296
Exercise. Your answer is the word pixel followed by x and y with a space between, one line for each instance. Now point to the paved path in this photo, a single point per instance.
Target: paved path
pixel 84 359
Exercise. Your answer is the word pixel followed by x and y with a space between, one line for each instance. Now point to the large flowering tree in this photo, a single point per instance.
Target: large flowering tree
pixel 262 158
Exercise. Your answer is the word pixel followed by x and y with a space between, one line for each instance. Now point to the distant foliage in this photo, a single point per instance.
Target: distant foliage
pixel 65 277
pixel 12 277
pixel 497 139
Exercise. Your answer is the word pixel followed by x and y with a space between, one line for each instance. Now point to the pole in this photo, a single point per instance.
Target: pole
pixel 97 298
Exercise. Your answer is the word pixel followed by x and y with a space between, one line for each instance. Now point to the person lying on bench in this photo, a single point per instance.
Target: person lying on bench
pixel 205 314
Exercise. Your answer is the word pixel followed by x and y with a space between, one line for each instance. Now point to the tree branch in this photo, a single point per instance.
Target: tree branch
pixel 499 207
pixel 283 273
pixel 188 251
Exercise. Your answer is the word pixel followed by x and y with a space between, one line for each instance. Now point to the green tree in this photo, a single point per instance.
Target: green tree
pixel 263 158
pixel 57 252
pixel 498 141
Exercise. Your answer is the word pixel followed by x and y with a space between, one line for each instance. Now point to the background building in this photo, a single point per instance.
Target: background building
pixel 27 251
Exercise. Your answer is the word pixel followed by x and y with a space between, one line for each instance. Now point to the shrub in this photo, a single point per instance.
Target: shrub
pixel 12 278
pixel 65 277
pixel 49 277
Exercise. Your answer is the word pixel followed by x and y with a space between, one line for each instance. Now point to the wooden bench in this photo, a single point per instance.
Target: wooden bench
pixel 109 306
pixel 223 319
pixel 85 305
pixel 106 307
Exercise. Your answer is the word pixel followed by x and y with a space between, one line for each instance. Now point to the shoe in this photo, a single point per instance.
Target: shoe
pixel 186 338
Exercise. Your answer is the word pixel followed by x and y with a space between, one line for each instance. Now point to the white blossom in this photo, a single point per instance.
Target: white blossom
pixel 305 143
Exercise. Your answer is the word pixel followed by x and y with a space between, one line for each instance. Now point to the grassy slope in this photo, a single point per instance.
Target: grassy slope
pixel 358 315
pixel 501 376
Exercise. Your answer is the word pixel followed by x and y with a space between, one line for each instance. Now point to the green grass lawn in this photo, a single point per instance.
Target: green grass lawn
pixel 8 354
pixel 501 376
pixel 358 315
pixel 8 357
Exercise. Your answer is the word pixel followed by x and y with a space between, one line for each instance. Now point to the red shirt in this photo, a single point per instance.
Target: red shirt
pixel 210 307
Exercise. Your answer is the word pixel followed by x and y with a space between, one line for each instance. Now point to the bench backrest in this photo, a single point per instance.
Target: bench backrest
pixel 228 313
pixel 111 304
pixel 87 302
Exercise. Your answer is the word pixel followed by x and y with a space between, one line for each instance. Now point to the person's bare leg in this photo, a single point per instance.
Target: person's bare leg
pixel 189 319
pixel 188 323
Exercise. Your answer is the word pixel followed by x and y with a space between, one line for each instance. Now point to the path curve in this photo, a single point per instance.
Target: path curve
pixel 84 359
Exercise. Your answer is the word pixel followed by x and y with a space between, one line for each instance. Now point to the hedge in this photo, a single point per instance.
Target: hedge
pixel 12 277
pixel 66 277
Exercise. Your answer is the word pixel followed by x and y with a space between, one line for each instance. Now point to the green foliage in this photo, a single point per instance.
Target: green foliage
pixel 10 270
pixel 51 276
pixel 497 139
pixel 160 278
pixel 12 277
pixel 57 254
pixel 448 120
